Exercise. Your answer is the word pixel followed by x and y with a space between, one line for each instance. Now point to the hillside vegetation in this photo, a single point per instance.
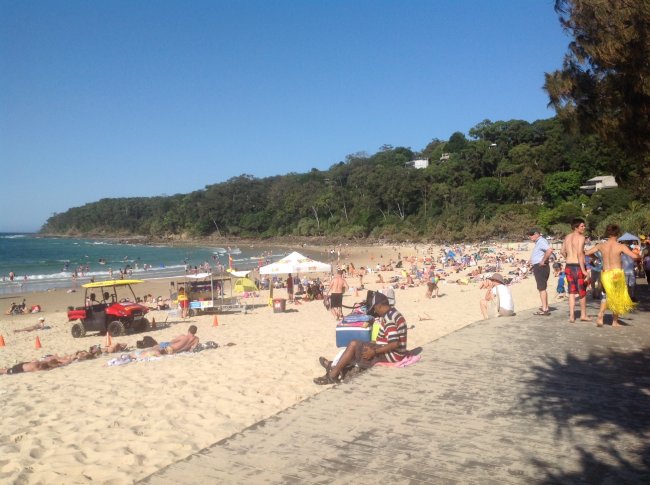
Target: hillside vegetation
pixel 507 176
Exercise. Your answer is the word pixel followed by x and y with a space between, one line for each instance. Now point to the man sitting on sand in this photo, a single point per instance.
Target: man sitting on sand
pixel 39 326
pixel 390 345
pixel 182 343
pixel 498 292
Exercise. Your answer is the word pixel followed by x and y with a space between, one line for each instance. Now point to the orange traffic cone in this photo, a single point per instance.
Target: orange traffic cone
pixel 109 341
pixel 2 341
pixel 153 322
pixel 37 345
pixel 215 321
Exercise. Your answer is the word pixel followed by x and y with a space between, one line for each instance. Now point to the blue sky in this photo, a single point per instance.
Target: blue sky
pixel 142 98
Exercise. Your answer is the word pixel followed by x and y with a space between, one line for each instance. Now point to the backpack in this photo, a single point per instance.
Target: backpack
pixel 146 342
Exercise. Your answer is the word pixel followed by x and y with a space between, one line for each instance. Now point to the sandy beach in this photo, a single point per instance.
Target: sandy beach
pixel 92 422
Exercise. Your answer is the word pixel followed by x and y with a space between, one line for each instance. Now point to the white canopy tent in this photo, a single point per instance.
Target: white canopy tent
pixel 295 263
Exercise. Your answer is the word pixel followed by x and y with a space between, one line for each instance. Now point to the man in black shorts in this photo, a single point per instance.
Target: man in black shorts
pixel 539 259
pixel 337 287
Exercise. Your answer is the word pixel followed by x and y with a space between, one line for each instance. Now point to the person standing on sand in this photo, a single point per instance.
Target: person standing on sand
pixel 290 287
pixel 615 294
pixel 573 249
pixel 337 287
pixel 541 270
pixel 183 302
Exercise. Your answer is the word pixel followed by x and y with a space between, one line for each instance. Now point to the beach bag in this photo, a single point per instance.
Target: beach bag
pixel 146 342
pixel 358 318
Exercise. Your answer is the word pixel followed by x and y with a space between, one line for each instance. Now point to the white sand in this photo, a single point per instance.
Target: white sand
pixel 88 421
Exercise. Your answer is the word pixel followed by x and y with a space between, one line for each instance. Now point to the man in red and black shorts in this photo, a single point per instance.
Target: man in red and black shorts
pixel 573 250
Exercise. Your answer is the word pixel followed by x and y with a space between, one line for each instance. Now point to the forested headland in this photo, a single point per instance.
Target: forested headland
pixel 507 176
pixel 497 181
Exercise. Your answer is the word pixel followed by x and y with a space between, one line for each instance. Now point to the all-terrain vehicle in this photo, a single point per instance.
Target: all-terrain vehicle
pixel 106 311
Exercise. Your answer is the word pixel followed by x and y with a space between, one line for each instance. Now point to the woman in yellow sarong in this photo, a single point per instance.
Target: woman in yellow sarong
pixel 618 298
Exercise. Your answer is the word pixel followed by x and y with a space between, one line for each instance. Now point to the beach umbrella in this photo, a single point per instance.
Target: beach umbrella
pixel 628 237
pixel 244 284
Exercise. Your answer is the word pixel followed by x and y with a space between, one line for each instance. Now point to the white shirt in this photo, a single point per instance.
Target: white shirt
pixel 505 297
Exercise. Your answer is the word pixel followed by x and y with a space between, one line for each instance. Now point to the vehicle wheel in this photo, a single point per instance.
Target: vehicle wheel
pixel 191 312
pixel 78 330
pixel 116 328
pixel 141 326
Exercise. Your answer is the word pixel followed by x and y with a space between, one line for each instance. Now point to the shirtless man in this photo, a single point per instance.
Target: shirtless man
pixel 182 343
pixel 338 285
pixel 615 295
pixel 573 249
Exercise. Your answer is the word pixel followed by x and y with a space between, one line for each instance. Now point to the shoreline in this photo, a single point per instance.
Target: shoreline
pixel 290 241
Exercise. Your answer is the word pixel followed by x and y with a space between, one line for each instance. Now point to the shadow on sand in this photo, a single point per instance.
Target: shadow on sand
pixel 607 393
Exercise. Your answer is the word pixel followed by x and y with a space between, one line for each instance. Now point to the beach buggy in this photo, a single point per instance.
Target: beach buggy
pixel 110 306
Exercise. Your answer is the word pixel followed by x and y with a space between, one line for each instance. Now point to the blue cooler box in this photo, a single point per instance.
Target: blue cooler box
pixel 345 334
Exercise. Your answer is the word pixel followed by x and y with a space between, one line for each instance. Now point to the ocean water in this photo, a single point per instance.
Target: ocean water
pixel 39 263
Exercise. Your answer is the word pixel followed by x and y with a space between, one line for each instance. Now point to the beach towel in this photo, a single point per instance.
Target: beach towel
pixel 618 299
pixel 358 318
pixel 410 359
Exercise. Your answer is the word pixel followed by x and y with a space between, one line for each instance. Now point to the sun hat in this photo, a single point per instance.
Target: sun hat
pixel 497 277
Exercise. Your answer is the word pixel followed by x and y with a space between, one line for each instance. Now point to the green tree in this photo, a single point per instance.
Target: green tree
pixel 561 185
pixel 456 143
pixel 603 85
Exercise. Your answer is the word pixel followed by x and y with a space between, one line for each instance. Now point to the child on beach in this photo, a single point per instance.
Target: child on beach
pixel 561 282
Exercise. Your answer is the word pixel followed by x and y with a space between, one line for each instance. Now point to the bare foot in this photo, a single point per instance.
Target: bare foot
pixel 586 319
pixel 616 324
pixel 599 323
pixel 572 320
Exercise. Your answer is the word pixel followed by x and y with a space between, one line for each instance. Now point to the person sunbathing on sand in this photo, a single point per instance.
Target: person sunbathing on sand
pixel 114 348
pixel 39 326
pixel 182 343
pixel 32 366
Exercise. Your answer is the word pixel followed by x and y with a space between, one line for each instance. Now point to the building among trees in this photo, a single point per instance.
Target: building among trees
pixel 599 183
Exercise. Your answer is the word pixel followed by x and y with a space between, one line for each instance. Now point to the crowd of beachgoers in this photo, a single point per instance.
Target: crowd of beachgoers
pixel 77 400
